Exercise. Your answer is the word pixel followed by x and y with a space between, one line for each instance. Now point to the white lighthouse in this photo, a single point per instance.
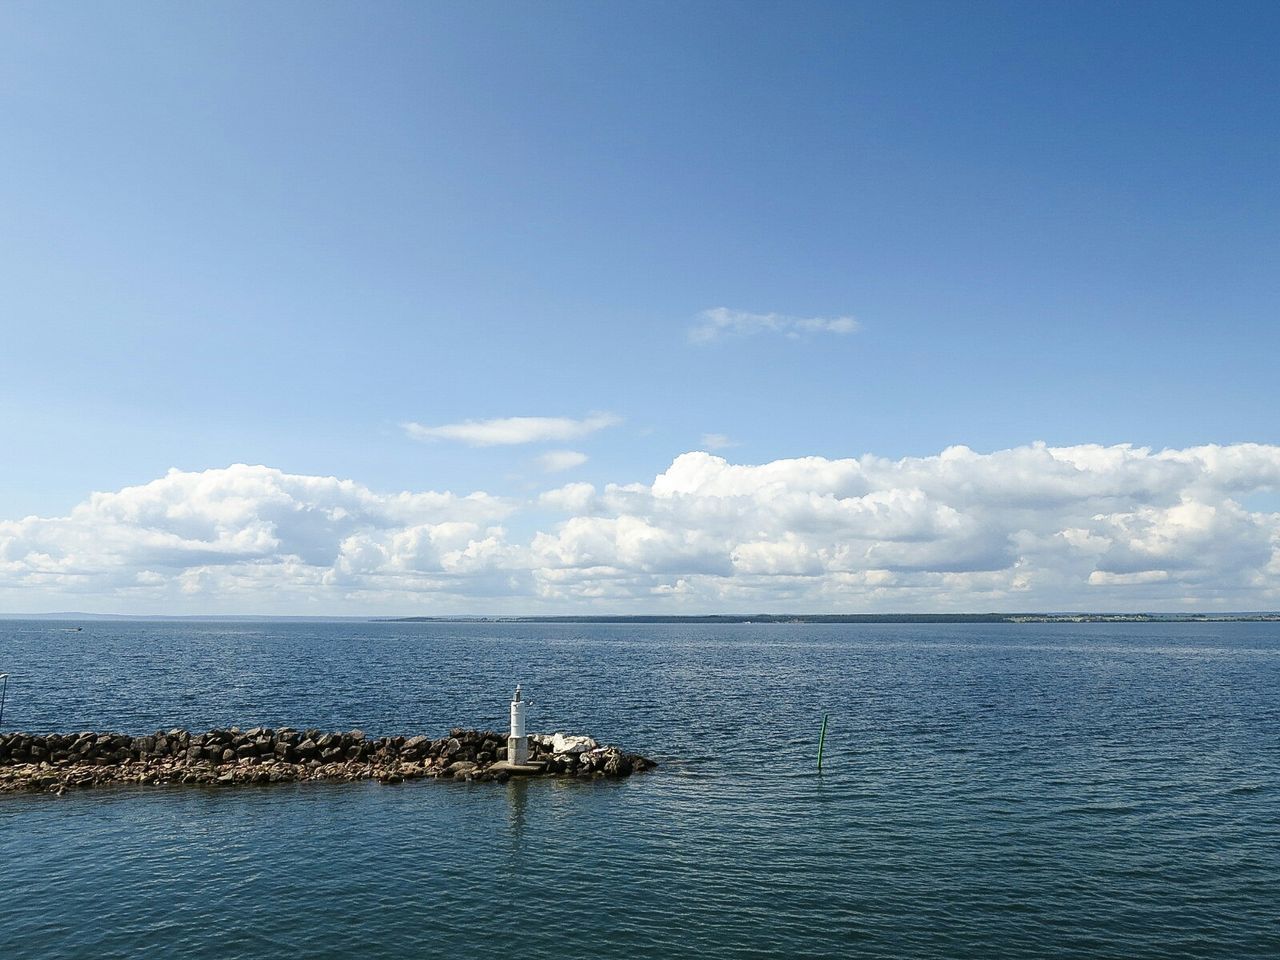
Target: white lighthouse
pixel 517 741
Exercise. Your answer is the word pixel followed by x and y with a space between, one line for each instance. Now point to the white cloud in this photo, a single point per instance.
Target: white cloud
pixel 571 498
pixel 513 430
pixel 557 461
pixel 717 441
pixel 719 322
pixel 1106 578
pixel 239 534
pixel 1033 527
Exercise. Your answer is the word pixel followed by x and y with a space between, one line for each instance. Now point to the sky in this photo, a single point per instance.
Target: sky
pixel 467 308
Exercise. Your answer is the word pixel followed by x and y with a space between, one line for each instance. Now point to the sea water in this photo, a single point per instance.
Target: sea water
pixel 988 791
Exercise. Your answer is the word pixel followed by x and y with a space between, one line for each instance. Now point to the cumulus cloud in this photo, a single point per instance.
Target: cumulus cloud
pixel 1033 527
pixel 557 461
pixel 243 533
pixel 720 322
pixel 571 498
pixel 513 430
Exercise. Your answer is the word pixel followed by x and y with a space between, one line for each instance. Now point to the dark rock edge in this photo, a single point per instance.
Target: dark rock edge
pixel 56 762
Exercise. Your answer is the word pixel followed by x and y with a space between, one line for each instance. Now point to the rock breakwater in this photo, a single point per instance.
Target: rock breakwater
pixel 56 762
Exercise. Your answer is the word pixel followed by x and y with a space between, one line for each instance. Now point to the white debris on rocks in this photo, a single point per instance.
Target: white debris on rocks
pixel 564 743
pixel 568 743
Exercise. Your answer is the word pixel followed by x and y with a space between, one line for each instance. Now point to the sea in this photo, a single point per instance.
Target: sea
pixel 987 791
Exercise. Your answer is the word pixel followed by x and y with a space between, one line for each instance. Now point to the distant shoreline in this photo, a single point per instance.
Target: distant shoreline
pixel 712 619
pixel 871 618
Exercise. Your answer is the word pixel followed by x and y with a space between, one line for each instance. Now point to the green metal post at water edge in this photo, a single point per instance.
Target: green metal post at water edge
pixel 822 738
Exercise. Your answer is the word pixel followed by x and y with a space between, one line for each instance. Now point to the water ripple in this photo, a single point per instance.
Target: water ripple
pixel 989 791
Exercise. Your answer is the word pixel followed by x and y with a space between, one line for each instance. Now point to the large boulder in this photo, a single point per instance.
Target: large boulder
pixel 566 743
pixel 415 747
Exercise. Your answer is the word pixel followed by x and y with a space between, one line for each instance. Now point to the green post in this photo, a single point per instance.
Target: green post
pixel 822 738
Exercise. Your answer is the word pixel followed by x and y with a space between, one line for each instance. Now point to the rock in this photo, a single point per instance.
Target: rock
pixel 564 743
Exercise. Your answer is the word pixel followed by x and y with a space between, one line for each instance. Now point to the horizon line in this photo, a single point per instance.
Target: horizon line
pixel 758 616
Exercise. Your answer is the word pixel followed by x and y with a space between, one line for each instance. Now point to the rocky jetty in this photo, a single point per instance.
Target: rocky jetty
pixel 56 762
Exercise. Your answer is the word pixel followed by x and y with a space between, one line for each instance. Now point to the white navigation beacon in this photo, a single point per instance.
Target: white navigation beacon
pixel 517 742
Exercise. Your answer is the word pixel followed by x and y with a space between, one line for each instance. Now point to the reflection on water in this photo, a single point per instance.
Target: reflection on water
pixel 517 794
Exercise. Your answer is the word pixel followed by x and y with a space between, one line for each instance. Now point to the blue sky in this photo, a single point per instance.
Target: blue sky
pixel 276 234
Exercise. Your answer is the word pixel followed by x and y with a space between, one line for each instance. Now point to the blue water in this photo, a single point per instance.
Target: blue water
pixel 990 791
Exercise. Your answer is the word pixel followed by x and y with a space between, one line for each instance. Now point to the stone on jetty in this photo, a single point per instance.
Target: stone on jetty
pixel 566 743
pixel 56 762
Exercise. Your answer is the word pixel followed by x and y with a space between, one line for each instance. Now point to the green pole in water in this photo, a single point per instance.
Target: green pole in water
pixel 822 738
